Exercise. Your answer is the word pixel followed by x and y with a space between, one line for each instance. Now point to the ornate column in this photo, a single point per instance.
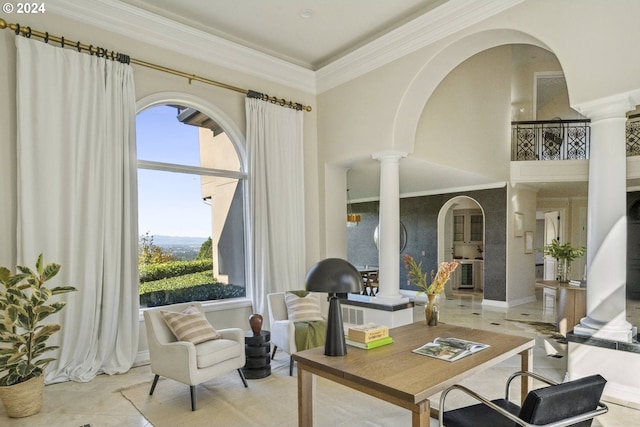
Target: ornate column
pixel 389 223
pixel 607 223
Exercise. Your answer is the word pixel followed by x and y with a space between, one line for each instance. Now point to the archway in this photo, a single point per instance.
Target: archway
pixel 434 71
pixel 461 237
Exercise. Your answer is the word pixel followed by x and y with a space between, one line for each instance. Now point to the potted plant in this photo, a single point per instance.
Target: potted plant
pixel 564 253
pixel 24 304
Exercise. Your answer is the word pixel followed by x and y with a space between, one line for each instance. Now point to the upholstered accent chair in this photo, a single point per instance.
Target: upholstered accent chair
pixel 573 403
pixel 283 328
pixel 203 354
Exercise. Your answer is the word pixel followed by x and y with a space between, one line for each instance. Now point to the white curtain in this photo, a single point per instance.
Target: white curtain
pixel 77 200
pixel 276 199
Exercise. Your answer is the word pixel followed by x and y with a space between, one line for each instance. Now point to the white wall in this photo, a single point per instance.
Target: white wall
pixel 520 265
pixel 465 123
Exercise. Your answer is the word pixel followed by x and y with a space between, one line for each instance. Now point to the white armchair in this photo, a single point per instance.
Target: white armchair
pixel 283 329
pixel 189 363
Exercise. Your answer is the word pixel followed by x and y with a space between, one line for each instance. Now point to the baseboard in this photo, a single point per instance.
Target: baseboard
pixel 142 358
pixel 494 303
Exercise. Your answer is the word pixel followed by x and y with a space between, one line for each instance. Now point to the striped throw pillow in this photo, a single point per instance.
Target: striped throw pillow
pixel 190 325
pixel 302 308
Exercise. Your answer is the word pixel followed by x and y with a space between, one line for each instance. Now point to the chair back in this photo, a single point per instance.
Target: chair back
pixel 276 307
pixel 157 330
pixel 561 401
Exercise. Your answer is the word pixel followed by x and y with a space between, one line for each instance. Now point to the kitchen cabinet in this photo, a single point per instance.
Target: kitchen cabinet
pixel 468 275
pixel 468 226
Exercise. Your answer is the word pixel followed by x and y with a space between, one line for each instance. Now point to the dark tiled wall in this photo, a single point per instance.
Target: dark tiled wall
pixel 420 217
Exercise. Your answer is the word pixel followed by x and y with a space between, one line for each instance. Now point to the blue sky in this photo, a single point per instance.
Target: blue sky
pixel 169 203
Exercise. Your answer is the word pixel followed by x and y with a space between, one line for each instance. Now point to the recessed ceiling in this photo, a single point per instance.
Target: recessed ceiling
pixel 308 33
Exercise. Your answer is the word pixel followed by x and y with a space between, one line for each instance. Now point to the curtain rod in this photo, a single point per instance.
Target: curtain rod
pixel 28 32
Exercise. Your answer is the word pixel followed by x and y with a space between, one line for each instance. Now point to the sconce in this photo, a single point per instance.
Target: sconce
pixel 351 217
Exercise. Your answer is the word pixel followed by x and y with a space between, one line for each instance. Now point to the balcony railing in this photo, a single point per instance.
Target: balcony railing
pixel 562 139
pixel 633 135
pixel 550 140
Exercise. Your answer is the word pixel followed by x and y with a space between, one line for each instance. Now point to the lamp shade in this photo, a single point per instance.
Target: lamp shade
pixel 334 275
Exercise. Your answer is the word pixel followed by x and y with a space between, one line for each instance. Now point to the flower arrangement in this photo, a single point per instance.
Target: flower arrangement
pixel 564 253
pixel 419 278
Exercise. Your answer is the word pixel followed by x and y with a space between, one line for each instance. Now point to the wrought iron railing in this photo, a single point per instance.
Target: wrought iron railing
pixel 550 140
pixel 562 139
pixel 633 135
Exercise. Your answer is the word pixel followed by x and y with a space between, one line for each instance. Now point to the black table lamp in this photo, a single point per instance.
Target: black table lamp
pixel 334 276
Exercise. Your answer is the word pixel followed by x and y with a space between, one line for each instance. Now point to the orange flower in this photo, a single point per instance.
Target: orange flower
pixel 419 279
pixel 442 277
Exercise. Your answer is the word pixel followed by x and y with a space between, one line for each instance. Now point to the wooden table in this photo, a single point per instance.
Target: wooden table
pixel 394 374
pixel 568 301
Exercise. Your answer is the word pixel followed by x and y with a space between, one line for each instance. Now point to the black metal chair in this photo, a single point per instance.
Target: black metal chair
pixel 573 403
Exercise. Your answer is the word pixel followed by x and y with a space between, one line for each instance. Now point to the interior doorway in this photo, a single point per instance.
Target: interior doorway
pixel 551 233
pixel 461 237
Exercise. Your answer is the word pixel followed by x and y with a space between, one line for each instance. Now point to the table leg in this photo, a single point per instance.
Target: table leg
pixel 420 418
pixel 305 397
pixel 526 365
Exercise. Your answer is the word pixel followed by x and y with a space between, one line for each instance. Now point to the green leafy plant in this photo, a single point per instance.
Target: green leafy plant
pixel 24 304
pixel 151 272
pixel 564 252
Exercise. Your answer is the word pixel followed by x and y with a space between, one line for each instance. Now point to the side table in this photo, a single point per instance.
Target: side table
pixel 257 349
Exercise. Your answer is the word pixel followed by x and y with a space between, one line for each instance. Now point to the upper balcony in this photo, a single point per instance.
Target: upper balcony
pixel 562 139
pixel 558 150
pixel 550 140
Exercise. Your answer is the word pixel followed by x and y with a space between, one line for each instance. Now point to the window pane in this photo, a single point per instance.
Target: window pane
pixel 191 246
pixel 161 137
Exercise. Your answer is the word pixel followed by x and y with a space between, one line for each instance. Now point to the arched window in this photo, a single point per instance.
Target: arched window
pixel 191 204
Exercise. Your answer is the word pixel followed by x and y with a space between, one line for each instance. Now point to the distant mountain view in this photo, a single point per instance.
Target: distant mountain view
pixel 161 240
pixel 180 247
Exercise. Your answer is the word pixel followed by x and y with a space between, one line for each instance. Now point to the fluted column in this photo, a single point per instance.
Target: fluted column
pixel 389 223
pixel 607 224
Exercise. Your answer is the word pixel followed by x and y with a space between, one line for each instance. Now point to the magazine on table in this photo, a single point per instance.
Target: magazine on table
pixel 450 349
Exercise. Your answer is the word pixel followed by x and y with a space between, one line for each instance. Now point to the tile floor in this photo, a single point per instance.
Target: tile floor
pixel 100 404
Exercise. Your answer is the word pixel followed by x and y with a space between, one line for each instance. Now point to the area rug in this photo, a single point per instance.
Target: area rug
pixel 542 328
pixel 270 401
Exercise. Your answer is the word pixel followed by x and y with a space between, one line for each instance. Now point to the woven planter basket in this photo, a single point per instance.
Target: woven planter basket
pixel 23 399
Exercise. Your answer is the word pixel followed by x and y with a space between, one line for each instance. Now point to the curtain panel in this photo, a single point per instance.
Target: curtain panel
pixel 77 200
pixel 276 199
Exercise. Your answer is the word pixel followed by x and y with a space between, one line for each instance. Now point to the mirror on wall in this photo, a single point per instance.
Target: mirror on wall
pixel 403 236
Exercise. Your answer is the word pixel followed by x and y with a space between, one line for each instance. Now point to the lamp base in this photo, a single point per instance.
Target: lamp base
pixel 335 344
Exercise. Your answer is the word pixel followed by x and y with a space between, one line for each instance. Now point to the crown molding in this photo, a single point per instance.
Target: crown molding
pixel 133 22
pixel 451 17
pixel 129 21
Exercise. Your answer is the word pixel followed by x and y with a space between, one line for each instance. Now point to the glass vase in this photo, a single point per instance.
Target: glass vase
pixel 431 310
pixel 564 270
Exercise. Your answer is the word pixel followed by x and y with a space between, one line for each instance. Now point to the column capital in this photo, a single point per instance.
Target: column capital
pixel 388 155
pixel 615 106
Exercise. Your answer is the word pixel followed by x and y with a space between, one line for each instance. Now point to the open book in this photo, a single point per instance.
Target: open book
pixel 450 349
